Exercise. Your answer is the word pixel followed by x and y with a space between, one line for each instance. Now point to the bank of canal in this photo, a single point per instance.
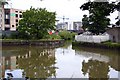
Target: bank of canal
pixel 104 45
pixel 43 43
pixel 62 62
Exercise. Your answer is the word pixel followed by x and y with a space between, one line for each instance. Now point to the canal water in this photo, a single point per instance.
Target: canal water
pixel 62 62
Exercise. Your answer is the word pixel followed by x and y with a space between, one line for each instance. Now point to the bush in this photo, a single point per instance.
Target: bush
pixel 4 36
pixel 14 35
pixel 53 36
pixel 67 35
pixel 73 35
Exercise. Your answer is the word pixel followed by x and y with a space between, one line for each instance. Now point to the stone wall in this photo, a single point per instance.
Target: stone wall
pixel 53 43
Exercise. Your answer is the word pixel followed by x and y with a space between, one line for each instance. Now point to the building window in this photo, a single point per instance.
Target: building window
pixel 7 29
pixel 7 21
pixel 16 25
pixel 20 11
pixel 16 11
pixel 16 20
pixel 20 16
pixel 16 15
pixel 12 25
pixel 7 16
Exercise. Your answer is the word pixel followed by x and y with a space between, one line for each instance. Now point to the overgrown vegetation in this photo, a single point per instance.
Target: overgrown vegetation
pixel 36 23
pixel 111 44
pixel 104 45
pixel 67 35
pixel 52 36
pixel 98 20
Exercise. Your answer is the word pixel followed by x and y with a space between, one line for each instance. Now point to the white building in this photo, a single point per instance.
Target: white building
pixel 74 25
pixel 71 25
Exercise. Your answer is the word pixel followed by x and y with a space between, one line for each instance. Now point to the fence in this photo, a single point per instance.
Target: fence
pixel 92 38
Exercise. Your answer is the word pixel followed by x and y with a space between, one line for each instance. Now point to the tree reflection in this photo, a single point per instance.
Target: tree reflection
pixel 38 63
pixel 95 69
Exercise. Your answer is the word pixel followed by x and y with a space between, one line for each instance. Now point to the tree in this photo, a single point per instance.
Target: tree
pixel 118 9
pixel 36 23
pixel 3 2
pixel 98 21
pixel 85 22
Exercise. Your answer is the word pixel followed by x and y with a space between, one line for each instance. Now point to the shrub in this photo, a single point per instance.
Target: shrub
pixel 53 36
pixel 67 35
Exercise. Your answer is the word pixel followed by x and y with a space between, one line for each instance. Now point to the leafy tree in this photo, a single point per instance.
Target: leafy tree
pixel 85 22
pixel 3 2
pixel 118 9
pixel 99 11
pixel 36 23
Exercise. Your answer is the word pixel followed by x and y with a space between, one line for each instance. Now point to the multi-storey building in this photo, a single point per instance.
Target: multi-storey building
pixel 12 17
pixel 62 26
pixel 71 25
pixel 2 3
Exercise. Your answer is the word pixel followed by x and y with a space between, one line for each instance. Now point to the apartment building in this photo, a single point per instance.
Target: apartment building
pixel 2 3
pixel 62 26
pixel 71 25
pixel 12 17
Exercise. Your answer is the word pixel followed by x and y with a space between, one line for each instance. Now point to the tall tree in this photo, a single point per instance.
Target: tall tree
pixel 98 12
pixel 118 9
pixel 85 22
pixel 36 23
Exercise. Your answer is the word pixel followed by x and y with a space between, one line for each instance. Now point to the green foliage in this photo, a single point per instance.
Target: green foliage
pixel 53 36
pixel 36 23
pixel 99 11
pixel 85 22
pixel 4 36
pixel 67 35
pixel 112 45
pixel 73 35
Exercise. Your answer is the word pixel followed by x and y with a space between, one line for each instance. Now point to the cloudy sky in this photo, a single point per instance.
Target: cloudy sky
pixel 68 8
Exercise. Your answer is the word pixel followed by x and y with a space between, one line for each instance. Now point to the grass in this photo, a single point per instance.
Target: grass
pixel 107 45
pixel 112 44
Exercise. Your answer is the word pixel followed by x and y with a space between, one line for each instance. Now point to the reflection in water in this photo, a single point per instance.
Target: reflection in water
pixel 35 61
pixel 38 63
pixel 62 62
pixel 102 63
pixel 95 68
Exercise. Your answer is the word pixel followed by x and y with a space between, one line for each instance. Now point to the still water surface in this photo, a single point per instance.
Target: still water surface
pixel 63 62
